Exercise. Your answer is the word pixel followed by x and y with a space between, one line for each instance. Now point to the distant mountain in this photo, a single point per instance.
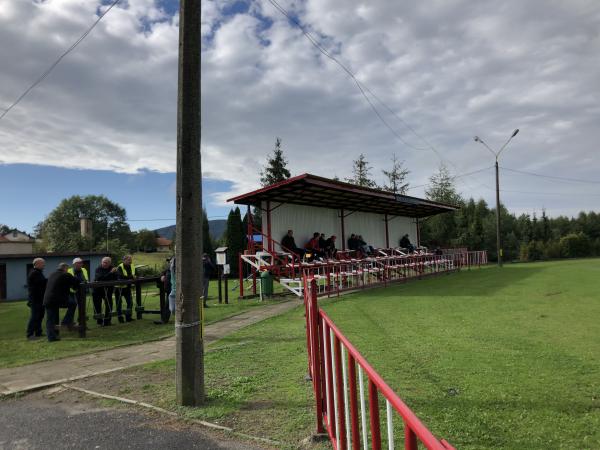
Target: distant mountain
pixel 216 228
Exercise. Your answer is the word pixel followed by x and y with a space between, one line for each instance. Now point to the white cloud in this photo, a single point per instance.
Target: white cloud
pixel 451 69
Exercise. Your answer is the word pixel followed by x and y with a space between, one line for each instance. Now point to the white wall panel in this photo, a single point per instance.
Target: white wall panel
pixel 370 226
pixel 399 226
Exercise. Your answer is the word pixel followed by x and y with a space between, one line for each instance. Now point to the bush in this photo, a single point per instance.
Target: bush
pixel 552 250
pixel 534 250
pixel 575 245
pixel 524 253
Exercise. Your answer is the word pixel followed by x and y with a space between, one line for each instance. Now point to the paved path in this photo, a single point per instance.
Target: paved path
pixel 48 373
pixel 67 421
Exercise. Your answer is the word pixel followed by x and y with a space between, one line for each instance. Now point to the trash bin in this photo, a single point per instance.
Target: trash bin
pixel 266 281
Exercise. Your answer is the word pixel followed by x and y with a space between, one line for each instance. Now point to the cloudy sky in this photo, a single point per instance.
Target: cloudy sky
pixel 104 120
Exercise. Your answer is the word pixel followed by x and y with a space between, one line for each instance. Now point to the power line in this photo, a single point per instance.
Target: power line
pixel 550 193
pixel 361 87
pixel 576 180
pixel 60 58
pixel 455 177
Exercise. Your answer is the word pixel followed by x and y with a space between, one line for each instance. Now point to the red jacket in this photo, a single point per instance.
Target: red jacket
pixel 313 244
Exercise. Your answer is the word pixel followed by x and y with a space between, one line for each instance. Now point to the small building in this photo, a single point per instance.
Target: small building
pixel 309 203
pixel 163 244
pixel 16 242
pixel 14 269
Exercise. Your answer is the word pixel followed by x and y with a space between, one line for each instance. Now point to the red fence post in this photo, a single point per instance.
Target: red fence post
pixel 315 353
pixel 339 385
pixel 353 403
pixel 374 416
pixel 241 272
pixel 410 438
pixel 330 406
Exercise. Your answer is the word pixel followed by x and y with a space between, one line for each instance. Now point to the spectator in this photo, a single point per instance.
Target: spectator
pixel 36 284
pixel 56 295
pixel 352 242
pixel 165 282
pixel 173 282
pixel 330 249
pixel 405 243
pixel 81 273
pixel 125 271
pixel 104 295
pixel 289 243
pixel 322 241
pixel 363 246
pixel 208 269
pixel 313 245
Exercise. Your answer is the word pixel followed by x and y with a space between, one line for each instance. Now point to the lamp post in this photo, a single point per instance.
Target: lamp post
pixel 496 155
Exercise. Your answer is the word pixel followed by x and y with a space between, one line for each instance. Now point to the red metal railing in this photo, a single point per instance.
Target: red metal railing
pixel 342 411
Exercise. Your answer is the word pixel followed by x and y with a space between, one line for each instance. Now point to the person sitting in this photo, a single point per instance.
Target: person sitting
pixel 313 247
pixel 289 244
pixel 352 243
pixel 363 246
pixel 329 247
pixel 405 243
pixel 322 241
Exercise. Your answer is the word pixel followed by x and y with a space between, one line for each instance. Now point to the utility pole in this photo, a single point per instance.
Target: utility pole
pixel 189 315
pixel 496 155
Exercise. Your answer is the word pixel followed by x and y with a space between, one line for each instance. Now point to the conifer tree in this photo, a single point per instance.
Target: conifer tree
pixel 276 168
pixel 396 177
pixel 361 173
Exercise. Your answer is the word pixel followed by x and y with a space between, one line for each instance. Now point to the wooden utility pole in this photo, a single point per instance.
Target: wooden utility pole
pixel 189 320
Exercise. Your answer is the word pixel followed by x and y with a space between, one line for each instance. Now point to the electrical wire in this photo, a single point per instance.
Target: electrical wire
pixel 45 74
pixel 575 180
pixel 454 177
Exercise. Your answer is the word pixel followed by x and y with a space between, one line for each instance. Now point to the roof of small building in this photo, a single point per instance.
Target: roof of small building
pixel 53 255
pixel 312 190
pixel 163 242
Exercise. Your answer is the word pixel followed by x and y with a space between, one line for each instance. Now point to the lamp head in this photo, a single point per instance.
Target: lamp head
pixel 515 133
pixel 476 139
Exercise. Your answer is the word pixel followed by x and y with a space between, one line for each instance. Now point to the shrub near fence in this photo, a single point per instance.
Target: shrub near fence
pixel 341 406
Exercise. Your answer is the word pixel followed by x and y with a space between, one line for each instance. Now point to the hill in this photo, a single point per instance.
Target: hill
pixel 216 228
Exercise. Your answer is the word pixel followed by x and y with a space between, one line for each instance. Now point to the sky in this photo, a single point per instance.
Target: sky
pixel 104 121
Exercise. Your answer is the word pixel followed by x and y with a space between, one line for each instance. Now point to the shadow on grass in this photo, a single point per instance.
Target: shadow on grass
pixel 475 282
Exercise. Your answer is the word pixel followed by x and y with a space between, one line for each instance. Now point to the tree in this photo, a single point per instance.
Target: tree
pixel 207 242
pixel 441 230
pixel 145 240
pixel 396 177
pixel 4 229
pixel 361 173
pixel 234 239
pixel 61 230
pixel 276 168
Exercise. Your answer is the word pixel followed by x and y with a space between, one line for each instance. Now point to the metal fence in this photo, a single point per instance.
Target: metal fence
pixel 347 391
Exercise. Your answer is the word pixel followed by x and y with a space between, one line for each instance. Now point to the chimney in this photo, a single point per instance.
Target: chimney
pixel 86 227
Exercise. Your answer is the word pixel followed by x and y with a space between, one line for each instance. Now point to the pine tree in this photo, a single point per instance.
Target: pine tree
pixel 276 168
pixel 396 177
pixel 441 187
pixel 361 173
pixel 207 243
pixel 234 239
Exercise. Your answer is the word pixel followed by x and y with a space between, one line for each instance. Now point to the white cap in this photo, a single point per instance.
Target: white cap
pixel 77 260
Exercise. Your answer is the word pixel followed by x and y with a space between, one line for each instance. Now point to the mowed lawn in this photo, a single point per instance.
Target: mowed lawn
pixel 488 358
pixel 16 350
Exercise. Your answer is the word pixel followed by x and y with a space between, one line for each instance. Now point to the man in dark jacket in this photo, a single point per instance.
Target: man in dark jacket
pixel 36 284
pixel 57 292
pixel 289 243
pixel 104 272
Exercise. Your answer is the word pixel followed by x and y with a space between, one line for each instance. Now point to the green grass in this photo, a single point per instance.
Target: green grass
pixel 155 260
pixel 487 358
pixel 16 350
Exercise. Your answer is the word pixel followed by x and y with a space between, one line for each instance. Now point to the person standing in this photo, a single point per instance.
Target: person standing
pixel 57 293
pixel 81 273
pixel 36 285
pixel 125 271
pixel 209 268
pixel 104 272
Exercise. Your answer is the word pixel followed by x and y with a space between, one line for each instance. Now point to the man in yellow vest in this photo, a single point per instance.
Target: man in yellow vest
pixel 125 271
pixel 81 273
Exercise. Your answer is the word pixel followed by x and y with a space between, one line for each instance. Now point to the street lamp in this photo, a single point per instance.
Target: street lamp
pixel 496 155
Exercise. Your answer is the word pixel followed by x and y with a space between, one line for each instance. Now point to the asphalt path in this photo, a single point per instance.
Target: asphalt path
pixel 68 420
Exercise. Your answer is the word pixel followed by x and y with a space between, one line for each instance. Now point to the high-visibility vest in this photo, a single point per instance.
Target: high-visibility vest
pixel 85 276
pixel 123 271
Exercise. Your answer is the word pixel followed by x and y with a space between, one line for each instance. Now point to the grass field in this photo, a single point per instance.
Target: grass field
pixel 16 350
pixel 506 359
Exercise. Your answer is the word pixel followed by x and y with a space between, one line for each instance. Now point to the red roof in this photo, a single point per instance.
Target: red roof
pixel 312 190
pixel 163 242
